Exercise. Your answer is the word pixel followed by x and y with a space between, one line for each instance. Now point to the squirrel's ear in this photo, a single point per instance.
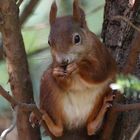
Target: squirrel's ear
pixel 53 13
pixel 78 13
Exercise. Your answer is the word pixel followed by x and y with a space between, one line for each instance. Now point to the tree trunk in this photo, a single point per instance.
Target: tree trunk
pixel 118 37
pixel 19 77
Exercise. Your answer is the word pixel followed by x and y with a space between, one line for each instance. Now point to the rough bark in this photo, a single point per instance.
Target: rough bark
pixel 19 77
pixel 118 36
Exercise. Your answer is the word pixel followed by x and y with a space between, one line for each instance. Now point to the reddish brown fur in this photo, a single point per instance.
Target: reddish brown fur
pixel 94 65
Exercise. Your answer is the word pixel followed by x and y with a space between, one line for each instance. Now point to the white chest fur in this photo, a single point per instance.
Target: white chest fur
pixel 79 102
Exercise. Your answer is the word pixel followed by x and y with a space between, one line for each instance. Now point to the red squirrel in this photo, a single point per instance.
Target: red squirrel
pixel 74 93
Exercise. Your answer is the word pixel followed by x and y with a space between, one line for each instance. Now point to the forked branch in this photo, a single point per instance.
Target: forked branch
pixel 23 106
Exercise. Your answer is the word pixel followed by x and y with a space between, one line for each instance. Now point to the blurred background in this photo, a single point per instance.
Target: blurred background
pixel 35 29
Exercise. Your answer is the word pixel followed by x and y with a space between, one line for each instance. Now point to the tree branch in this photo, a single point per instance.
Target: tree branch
pixel 125 107
pixel 135 133
pixel 9 98
pixel 127 21
pixel 98 8
pixel 12 126
pixel 23 106
pixel 18 2
pixel 28 10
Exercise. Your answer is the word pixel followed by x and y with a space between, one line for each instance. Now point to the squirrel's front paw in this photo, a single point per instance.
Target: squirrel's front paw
pixel 59 72
pixel 71 68
pixel 62 73
pixel 96 124
pixel 33 120
pixel 107 103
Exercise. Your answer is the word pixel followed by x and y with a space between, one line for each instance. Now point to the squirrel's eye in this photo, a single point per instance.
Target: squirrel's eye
pixel 76 39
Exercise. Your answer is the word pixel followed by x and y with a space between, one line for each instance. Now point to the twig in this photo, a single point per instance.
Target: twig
pixel 9 98
pixel 19 2
pixel 135 133
pixel 28 10
pixel 8 130
pixel 95 9
pixel 36 27
pixel 125 107
pixel 127 21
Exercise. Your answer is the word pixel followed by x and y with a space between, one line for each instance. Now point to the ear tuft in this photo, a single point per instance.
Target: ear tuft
pixel 53 13
pixel 78 13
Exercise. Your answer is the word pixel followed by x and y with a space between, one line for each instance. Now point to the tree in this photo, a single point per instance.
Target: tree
pixel 19 77
pixel 123 42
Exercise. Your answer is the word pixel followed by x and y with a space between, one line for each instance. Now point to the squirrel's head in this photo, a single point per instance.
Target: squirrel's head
pixel 68 37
